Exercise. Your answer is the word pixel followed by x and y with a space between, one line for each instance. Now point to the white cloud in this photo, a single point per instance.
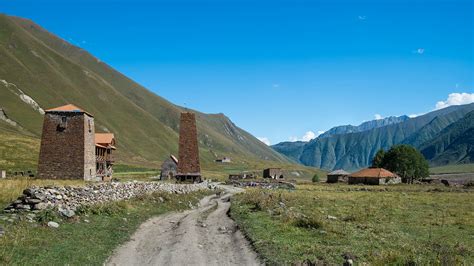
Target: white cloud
pixel 378 116
pixel 276 85
pixel 264 140
pixel 415 115
pixel 308 136
pixel 293 139
pixel 362 17
pixel 419 51
pixel 456 99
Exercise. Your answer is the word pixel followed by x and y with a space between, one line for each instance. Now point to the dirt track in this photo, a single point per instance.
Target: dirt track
pixel 202 236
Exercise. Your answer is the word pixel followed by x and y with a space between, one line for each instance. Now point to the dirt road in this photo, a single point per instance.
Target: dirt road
pixel 202 236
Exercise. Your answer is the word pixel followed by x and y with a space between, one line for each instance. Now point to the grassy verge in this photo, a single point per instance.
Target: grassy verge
pixel 376 225
pixel 90 238
pixel 453 169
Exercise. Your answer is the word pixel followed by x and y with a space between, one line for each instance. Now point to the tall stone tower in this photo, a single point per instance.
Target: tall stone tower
pixel 67 145
pixel 189 168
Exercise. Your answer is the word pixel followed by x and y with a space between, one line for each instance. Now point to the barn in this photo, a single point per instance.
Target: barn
pixel 337 176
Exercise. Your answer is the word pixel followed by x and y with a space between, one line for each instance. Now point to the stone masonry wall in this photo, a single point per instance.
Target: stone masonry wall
pixel 62 153
pixel 89 150
pixel 188 163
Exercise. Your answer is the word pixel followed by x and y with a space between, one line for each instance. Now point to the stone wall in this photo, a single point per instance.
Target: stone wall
pixel 68 199
pixel 62 146
pixel 89 150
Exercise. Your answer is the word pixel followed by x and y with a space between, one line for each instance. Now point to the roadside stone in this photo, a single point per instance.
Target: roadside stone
pixel 332 217
pixel 2 231
pixel 67 213
pixel 53 224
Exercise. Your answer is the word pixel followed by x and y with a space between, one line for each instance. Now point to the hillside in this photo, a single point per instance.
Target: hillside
pixel 39 70
pixel 455 143
pixel 353 151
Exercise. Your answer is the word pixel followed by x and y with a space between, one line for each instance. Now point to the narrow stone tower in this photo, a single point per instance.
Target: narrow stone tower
pixel 67 145
pixel 189 168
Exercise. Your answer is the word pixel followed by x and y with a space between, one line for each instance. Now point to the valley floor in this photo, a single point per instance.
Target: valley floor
pixel 379 225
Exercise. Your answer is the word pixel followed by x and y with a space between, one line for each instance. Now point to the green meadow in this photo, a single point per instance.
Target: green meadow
pixel 322 223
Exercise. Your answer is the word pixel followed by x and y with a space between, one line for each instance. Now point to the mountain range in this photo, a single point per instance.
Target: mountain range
pixel 39 70
pixel 444 136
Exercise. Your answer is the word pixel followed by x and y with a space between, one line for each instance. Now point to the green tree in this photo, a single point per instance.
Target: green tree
pixel 315 178
pixel 407 162
pixel 378 159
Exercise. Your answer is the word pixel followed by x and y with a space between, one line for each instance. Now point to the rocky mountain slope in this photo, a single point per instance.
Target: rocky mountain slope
pixel 364 126
pixel 39 70
pixel 351 151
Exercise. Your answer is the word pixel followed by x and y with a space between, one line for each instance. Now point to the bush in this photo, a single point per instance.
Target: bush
pixel 315 178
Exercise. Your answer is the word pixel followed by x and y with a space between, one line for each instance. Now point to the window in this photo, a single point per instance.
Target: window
pixel 62 124
pixel 89 123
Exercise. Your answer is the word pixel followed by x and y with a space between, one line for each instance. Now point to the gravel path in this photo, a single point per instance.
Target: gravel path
pixel 202 236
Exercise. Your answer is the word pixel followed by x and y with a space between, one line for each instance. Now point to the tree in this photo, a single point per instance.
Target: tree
pixel 407 162
pixel 378 159
pixel 315 178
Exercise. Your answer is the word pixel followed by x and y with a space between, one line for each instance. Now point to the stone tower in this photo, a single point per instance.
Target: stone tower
pixel 67 144
pixel 189 168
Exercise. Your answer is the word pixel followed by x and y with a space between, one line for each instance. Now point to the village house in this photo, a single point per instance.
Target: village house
pixel 169 168
pixel 337 176
pixel 374 176
pixel 104 145
pixel 223 160
pixel 273 173
pixel 70 148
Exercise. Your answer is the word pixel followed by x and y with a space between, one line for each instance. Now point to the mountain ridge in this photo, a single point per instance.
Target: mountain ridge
pixel 355 150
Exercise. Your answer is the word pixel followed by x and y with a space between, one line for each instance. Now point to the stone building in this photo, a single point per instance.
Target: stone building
pixel 104 145
pixel 223 160
pixel 189 168
pixel 68 146
pixel 273 173
pixel 337 176
pixel 374 176
pixel 169 168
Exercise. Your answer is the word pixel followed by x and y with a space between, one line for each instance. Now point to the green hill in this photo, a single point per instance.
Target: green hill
pixel 39 70
pixel 353 151
pixel 454 144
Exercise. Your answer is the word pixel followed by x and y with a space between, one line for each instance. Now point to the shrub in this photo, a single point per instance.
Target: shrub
pixel 315 178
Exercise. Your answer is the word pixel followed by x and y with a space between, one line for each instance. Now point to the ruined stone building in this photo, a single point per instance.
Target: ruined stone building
pixel 169 168
pixel 68 146
pixel 189 168
pixel 274 173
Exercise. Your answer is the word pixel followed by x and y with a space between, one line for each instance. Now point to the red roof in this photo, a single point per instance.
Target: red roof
pixel 68 108
pixel 374 172
pixel 105 139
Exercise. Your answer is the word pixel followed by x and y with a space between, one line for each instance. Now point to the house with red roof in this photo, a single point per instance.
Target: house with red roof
pixel 374 176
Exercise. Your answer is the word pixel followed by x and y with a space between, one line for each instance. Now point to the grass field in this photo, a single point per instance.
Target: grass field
pixel 453 169
pixel 11 189
pixel 90 238
pixel 399 224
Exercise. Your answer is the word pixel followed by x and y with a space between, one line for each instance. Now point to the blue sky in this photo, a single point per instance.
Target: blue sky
pixel 279 68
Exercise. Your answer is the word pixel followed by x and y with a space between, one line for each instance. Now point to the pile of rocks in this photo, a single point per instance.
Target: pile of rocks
pixel 67 199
